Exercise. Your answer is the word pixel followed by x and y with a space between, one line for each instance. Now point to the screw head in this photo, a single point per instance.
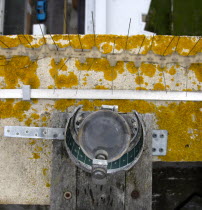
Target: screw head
pixel 67 195
pixel 99 174
pixel 135 194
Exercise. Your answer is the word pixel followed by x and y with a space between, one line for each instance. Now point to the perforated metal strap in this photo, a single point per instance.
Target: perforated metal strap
pixel 159 137
pixel 34 132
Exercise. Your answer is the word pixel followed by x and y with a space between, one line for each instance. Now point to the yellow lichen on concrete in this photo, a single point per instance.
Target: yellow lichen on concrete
pixel 101 65
pixel 183 121
pixel 131 67
pixel 139 80
pixel 11 109
pixel 101 87
pixel 197 69
pixel 148 69
pixel 19 68
pixel 159 86
pixel 62 80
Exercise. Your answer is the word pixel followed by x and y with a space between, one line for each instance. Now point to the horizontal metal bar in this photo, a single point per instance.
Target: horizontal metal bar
pixel 34 132
pixel 104 94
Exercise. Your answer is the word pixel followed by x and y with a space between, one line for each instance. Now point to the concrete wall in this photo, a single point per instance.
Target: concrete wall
pixel 25 166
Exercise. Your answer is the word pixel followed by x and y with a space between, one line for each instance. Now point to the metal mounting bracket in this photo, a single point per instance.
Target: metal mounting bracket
pixel 34 132
pixel 159 137
pixel 159 142
pixel 26 95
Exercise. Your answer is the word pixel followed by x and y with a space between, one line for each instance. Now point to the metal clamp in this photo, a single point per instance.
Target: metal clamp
pixel 26 94
pixel 113 108
pixel 99 171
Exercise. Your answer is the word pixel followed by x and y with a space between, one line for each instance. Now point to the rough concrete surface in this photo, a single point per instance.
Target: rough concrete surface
pixel 25 166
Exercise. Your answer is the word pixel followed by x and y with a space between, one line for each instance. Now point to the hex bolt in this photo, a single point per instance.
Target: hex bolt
pixel 135 194
pixel 67 195
pixel 98 174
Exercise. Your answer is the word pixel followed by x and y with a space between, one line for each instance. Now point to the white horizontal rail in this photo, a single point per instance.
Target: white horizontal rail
pixel 103 94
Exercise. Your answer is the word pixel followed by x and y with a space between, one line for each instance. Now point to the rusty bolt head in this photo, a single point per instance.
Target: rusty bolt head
pixel 135 194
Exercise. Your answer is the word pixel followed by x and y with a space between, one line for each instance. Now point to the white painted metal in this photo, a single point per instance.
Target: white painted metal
pixel 104 94
pixel 112 16
pixel 2 9
pixel 39 29
pixel 26 92
pixel 100 16
pixel 34 132
pixel 89 8
pixel 159 142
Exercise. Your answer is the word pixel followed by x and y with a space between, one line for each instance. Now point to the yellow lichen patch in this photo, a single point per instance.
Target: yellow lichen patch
pixel 19 68
pixel 100 39
pixel 139 80
pixel 35 155
pixel 148 69
pixel 101 87
pixel 197 69
pixel 120 43
pixel 161 44
pixel 147 45
pixel 135 42
pixel 106 48
pixel 58 66
pixel 44 171
pixel 32 142
pixel 48 184
pixel 38 149
pixel 141 88
pixel 8 41
pixel 131 67
pixel 35 116
pixel 184 140
pixel 62 80
pixel 26 40
pixel 10 109
pixel 28 121
pixel 185 43
pixel 172 71
pixel 88 41
pixel 159 86
pixel 44 118
pixel 102 65
pixel 197 47
pixel 63 104
pixel 66 81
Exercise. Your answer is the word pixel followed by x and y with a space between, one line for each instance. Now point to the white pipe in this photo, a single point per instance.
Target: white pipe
pixel 104 94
